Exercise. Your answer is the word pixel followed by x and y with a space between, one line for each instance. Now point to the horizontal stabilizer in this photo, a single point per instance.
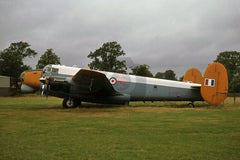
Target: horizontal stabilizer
pixel 196 86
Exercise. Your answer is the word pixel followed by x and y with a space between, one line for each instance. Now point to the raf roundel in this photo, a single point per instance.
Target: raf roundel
pixel 113 80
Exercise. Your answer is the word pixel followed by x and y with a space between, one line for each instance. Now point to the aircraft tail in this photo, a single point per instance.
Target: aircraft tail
pixel 214 83
pixel 214 88
pixel 193 75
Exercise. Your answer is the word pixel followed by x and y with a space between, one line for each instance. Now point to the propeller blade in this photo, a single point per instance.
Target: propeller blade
pixel 47 90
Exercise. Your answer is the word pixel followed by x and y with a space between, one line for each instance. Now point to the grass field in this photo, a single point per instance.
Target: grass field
pixel 36 128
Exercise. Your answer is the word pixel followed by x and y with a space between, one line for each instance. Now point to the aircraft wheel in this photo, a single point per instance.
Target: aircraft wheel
pixel 191 104
pixel 70 103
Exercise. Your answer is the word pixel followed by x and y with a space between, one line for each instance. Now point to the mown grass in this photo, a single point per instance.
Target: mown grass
pixel 36 128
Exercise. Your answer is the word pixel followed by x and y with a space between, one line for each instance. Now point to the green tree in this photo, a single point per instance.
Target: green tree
pixel 160 75
pixel 231 60
pixel 235 82
pixel 181 78
pixel 11 60
pixel 49 57
pixel 105 58
pixel 170 75
pixel 142 70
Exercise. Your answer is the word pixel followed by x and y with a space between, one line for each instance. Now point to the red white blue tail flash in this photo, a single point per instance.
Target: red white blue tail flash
pixel 209 82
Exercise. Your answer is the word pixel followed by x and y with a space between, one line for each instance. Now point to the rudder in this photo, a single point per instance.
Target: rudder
pixel 215 84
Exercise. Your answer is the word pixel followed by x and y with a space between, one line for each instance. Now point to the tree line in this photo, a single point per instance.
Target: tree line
pixel 11 60
pixel 105 58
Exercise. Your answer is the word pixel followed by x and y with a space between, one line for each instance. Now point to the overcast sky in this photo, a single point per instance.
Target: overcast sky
pixel 165 34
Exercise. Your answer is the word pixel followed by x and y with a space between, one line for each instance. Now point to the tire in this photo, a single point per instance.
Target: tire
pixel 70 103
pixel 191 105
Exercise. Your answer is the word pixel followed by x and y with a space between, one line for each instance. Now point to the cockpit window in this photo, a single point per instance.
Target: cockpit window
pixel 54 70
pixel 48 71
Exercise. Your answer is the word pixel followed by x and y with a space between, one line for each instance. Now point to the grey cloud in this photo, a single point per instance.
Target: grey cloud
pixel 163 34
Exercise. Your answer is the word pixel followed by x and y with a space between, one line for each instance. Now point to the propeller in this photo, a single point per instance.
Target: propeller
pixel 45 86
pixel 42 89
pixel 47 90
pixel 56 82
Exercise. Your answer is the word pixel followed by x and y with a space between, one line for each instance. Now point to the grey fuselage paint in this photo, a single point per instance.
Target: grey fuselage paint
pixel 148 92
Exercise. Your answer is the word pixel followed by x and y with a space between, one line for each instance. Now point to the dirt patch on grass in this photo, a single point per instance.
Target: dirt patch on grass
pixel 157 110
pixel 73 112
pixel 171 109
pixel 86 112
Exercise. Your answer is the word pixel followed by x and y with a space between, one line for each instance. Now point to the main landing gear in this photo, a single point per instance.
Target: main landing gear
pixel 70 102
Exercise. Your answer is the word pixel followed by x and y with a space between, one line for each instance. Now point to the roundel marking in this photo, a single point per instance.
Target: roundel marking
pixel 113 80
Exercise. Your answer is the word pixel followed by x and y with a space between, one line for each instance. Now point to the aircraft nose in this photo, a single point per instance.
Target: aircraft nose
pixel 25 87
pixel 21 77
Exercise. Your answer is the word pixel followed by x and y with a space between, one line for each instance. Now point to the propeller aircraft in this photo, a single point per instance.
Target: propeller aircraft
pixel 76 85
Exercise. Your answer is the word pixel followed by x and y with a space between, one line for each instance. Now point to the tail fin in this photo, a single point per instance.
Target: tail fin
pixel 215 84
pixel 193 75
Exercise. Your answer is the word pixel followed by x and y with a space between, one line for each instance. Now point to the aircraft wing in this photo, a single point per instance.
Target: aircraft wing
pixel 92 83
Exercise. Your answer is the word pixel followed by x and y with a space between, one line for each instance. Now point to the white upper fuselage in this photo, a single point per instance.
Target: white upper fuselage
pixel 61 70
